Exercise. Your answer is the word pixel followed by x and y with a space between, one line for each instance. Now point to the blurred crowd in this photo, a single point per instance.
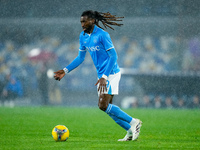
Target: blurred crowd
pixel 162 101
pixel 159 54
pixel 26 68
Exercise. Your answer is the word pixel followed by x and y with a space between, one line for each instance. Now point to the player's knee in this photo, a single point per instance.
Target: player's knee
pixel 103 107
pixel 102 104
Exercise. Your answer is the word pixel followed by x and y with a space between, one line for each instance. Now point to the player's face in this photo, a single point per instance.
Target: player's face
pixel 87 24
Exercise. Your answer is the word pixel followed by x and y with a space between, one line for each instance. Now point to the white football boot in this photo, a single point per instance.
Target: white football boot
pixel 136 129
pixel 128 137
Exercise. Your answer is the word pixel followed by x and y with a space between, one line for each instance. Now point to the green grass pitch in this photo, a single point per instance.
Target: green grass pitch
pixel 29 128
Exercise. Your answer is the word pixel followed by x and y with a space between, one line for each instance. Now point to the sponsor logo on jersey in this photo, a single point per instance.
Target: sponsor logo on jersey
pixel 93 48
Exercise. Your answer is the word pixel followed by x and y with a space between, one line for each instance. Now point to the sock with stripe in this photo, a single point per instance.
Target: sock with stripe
pixel 121 122
pixel 119 116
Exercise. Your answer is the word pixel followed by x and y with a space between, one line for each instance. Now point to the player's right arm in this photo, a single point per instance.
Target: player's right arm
pixel 75 63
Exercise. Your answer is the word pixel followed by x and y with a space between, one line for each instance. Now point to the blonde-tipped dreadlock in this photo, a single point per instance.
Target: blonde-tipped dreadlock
pixel 106 18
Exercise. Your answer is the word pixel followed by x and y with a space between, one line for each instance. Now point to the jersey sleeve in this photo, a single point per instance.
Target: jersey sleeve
pixel 79 59
pixel 113 59
pixel 106 41
pixel 109 47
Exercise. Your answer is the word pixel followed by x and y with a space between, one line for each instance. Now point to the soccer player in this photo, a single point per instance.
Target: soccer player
pixel 98 43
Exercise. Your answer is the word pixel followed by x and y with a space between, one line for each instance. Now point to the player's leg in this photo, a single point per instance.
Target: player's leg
pixel 104 104
pixel 113 110
pixel 117 120
pixel 131 125
pixel 104 100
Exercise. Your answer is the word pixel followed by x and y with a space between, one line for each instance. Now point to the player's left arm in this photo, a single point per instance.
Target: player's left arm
pixel 103 80
pixel 108 45
pixel 113 59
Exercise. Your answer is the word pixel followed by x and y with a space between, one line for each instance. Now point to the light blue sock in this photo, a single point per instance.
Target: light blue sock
pixel 120 122
pixel 116 111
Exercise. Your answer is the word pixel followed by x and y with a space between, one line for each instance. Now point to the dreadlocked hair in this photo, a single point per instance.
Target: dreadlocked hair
pixel 105 18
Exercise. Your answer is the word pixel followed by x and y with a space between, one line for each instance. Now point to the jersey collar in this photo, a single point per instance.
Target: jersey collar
pixel 94 31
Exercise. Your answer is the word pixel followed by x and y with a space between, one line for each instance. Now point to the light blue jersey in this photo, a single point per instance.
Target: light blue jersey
pixel 98 44
pixel 101 49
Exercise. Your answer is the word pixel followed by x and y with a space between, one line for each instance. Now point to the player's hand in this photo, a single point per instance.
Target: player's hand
pixel 59 75
pixel 102 85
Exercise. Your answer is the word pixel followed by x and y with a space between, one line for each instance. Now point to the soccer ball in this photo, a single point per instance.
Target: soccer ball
pixel 60 133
